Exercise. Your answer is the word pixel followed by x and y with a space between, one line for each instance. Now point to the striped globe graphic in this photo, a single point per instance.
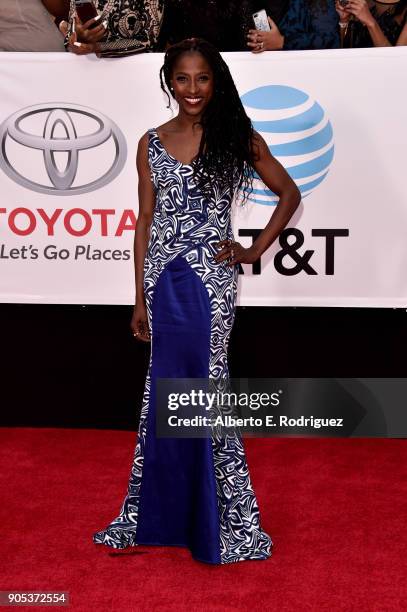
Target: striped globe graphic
pixel 298 133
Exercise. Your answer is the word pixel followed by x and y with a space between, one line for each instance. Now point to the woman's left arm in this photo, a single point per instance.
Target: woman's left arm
pixel 402 39
pixel 279 181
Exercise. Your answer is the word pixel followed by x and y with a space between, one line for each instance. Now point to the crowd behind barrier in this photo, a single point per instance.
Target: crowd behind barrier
pixel 125 27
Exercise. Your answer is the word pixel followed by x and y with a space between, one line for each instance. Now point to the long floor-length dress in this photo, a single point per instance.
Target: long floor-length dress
pixel 192 492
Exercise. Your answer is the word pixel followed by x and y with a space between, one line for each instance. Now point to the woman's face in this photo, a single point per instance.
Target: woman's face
pixel 193 83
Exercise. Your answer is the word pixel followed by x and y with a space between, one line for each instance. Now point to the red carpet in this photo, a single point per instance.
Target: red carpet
pixel 336 511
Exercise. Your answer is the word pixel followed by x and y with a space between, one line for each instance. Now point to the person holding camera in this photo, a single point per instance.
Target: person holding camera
pixel 307 24
pixel 372 24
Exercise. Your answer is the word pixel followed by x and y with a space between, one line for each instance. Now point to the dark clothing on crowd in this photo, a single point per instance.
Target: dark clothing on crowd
pixel 310 24
pixel 306 24
pixel 224 23
pixel 357 35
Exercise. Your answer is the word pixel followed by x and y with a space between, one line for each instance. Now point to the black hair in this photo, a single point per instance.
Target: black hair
pixel 225 155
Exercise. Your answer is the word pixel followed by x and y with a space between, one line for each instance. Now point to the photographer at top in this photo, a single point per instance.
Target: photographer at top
pixel 372 24
pixel 306 24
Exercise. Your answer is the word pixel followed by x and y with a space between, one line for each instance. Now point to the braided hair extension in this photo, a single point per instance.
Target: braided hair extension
pixel 225 155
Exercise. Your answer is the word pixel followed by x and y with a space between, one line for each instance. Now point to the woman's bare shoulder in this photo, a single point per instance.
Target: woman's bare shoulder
pixel 167 128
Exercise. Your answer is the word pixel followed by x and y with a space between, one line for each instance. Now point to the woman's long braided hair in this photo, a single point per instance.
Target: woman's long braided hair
pixel 226 155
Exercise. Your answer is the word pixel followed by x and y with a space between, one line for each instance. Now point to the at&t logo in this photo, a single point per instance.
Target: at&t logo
pixel 298 133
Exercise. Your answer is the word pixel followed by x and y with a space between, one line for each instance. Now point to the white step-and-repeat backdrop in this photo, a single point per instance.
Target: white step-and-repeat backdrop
pixel 337 120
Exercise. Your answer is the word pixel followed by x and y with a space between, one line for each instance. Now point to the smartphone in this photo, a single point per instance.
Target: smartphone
pixel 260 21
pixel 86 10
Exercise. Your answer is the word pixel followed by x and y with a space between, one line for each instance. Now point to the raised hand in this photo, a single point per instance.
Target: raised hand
pixel 360 9
pixel 265 41
pixel 90 35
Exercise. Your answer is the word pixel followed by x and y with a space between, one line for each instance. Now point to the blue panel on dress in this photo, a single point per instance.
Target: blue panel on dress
pixel 178 493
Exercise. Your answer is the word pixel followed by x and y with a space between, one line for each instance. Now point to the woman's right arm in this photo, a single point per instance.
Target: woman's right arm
pixel 402 39
pixel 146 198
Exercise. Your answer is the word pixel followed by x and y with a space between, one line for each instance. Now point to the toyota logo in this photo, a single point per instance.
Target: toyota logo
pixel 67 130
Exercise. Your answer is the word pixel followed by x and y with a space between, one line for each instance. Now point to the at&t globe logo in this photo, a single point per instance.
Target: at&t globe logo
pixel 297 132
pixel 61 149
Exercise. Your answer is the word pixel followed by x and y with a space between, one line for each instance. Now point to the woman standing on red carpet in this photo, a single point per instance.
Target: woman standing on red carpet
pixel 194 492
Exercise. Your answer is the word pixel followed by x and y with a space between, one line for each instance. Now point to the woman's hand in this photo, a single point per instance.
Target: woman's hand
pixel 92 35
pixel 63 27
pixel 265 41
pixel 235 253
pixel 139 323
pixel 80 48
pixel 81 41
pixel 344 16
pixel 360 9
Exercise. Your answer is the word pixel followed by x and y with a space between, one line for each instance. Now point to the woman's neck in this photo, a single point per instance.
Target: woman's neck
pixel 188 123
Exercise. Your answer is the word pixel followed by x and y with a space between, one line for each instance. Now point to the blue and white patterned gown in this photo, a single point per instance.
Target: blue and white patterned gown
pixel 190 492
